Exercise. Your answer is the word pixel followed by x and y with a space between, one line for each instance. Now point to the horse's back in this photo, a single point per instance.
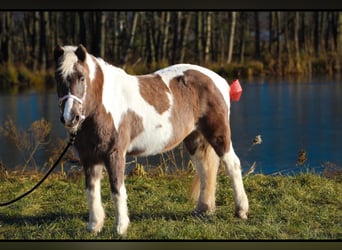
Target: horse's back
pixel 170 72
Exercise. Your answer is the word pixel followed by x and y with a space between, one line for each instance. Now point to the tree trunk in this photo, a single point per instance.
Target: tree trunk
pixel 231 37
pixel 102 30
pixel 208 38
pixel 199 37
pixel 289 65
pixel 7 40
pixel 279 52
pixel 83 29
pixel 166 37
pixel 316 34
pixel 338 43
pixel 271 31
pixel 257 35
pixel 43 39
pixel 131 40
pixel 296 43
pixel 243 29
pixel 150 39
pixel 185 37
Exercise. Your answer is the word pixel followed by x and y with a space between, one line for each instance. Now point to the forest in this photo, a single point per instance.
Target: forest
pixel 231 42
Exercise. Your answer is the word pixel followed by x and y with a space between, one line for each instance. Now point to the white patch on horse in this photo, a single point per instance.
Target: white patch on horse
pixel 233 168
pixel 92 66
pixel 122 220
pixel 120 94
pixel 67 114
pixel 96 211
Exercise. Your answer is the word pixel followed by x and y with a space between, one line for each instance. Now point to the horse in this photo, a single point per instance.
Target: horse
pixel 114 114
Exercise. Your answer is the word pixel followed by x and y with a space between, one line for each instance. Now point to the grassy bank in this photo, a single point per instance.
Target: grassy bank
pixel 306 206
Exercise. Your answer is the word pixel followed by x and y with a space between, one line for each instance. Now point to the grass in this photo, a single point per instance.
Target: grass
pixel 305 206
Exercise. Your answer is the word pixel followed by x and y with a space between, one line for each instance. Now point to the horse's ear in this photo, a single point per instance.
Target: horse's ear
pixel 81 53
pixel 58 52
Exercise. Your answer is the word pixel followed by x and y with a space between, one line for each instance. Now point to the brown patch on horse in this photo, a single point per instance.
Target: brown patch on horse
pixel 154 91
pixel 95 88
pixel 184 110
pixel 196 97
pixel 131 124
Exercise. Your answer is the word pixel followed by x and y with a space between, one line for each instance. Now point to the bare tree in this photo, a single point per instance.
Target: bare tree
pixel 296 42
pixel 166 36
pixel 185 36
pixel 199 37
pixel 131 40
pixel 208 37
pixel 231 37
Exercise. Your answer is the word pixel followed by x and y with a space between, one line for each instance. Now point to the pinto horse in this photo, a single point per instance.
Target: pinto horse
pixel 115 114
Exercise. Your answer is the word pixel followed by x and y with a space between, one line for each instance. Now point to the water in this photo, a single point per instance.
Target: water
pixel 289 116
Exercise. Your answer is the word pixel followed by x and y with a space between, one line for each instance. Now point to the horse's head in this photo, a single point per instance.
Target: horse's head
pixel 71 77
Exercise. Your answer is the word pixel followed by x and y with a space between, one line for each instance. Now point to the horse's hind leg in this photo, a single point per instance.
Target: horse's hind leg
pixel 233 168
pixel 206 163
pixel 93 175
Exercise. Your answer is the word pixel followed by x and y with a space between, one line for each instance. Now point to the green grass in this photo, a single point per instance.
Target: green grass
pixel 305 206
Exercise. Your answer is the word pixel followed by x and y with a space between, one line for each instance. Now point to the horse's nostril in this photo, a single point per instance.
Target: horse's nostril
pixel 77 118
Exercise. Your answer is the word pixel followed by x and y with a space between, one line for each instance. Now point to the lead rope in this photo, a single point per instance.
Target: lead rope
pixel 72 138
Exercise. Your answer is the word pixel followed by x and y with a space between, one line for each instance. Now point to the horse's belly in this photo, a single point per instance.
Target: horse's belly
pixel 148 144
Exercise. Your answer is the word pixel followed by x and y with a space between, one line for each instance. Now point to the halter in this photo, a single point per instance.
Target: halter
pixel 72 97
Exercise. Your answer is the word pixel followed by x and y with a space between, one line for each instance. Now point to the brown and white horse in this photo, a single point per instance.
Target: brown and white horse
pixel 116 114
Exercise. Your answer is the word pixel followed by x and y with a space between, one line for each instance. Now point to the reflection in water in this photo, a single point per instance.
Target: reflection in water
pixel 288 116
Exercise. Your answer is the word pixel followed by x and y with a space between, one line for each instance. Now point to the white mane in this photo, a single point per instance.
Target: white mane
pixel 69 59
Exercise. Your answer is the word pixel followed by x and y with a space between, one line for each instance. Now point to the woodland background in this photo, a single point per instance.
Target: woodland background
pixel 230 42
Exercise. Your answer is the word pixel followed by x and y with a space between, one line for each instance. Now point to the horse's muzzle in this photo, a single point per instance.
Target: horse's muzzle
pixel 74 122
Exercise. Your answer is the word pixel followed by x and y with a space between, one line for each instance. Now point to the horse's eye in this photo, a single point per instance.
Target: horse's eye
pixel 82 78
pixel 68 78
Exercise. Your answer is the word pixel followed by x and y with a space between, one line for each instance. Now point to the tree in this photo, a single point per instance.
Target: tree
pixel 257 35
pixel 185 37
pixel 208 38
pixel 231 37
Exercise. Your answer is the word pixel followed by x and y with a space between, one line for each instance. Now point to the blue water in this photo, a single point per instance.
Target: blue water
pixel 288 115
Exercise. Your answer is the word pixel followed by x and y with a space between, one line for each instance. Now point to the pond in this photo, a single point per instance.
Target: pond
pixel 290 116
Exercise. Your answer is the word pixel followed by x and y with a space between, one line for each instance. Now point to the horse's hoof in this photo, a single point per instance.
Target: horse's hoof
pixel 121 227
pixel 95 228
pixel 242 214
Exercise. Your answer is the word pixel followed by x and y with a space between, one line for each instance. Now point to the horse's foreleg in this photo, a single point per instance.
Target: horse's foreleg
pixel 116 171
pixel 206 163
pixel 93 191
pixel 232 166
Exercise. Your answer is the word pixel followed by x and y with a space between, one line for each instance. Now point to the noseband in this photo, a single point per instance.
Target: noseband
pixel 72 97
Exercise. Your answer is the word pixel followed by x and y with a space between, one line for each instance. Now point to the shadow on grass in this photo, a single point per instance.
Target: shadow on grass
pixel 24 220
